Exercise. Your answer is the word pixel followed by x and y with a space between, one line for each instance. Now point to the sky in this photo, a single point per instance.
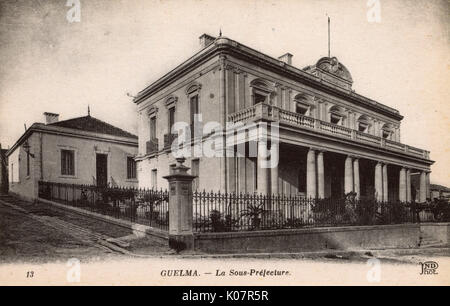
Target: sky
pixel 48 64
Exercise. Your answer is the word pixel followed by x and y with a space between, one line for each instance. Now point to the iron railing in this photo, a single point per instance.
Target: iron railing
pixel 267 111
pixel 143 206
pixel 225 212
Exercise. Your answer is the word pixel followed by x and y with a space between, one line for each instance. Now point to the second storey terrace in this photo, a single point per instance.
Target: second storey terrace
pixel 229 82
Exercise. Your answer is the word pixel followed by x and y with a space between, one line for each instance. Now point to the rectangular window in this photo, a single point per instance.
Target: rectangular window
pixel 171 118
pixel 131 168
pixel 67 162
pixel 362 127
pixel 258 98
pixel 301 109
pixel 195 170
pixel 335 119
pixel 193 112
pixel 153 128
pixel 154 178
pixel 386 134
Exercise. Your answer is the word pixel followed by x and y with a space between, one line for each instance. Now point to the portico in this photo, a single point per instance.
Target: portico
pixel 317 167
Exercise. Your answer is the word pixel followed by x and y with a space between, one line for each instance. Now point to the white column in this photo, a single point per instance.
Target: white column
pixel 402 185
pixel 357 187
pixel 423 187
pixel 428 196
pixel 274 156
pixel 385 183
pixel 378 182
pixel 262 171
pixel 320 176
pixel 311 174
pixel 408 185
pixel 348 175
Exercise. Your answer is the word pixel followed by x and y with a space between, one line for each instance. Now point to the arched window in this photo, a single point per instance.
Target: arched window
pixel 193 93
pixel 363 124
pixel 304 104
pixel 386 131
pixel 170 102
pixel 336 115
pixel 260 91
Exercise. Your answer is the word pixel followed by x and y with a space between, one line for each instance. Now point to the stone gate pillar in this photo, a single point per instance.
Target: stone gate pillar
pixel 180 207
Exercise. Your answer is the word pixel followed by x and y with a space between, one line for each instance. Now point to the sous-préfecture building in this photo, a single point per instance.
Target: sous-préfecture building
pixel 330 140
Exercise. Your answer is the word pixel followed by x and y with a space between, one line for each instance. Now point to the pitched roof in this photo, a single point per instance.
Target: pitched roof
pixel 91 124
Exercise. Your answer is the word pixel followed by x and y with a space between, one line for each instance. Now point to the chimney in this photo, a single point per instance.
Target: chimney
pixel 51 118
pixel 206 40
pixel 287 58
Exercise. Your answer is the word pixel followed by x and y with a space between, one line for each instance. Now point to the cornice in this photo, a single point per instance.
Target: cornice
pixel 224 46
pixel 42 128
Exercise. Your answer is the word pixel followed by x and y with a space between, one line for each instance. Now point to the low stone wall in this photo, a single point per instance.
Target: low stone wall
pixel 293 240
pixel 438 231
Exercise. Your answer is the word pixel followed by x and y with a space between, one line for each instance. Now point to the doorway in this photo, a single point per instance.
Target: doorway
pixel 102 170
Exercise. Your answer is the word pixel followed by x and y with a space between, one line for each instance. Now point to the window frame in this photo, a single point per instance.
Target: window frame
pixel 171 118
pixel 152 127
pixel 364 125
pixel 73 155
pixel 305 107
pixel 388 134
pixel 130 170
pixel 154 179
pixel 336 116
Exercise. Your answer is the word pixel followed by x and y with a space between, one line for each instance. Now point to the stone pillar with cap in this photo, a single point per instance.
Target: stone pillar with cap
pixel 180 207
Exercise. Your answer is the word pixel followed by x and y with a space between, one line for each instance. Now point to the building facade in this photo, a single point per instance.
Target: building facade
pixel 329 140
pixel 3 171
pixel 82 150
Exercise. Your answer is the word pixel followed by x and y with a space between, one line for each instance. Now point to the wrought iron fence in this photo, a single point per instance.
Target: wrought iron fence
pixel 225 212
pixel 143 206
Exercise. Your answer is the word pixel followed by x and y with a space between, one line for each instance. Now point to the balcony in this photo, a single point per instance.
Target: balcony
pixel 152 146
pixel 272 113
pixel 168 140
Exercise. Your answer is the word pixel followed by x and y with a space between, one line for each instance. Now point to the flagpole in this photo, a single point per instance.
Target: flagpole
pixel 329 53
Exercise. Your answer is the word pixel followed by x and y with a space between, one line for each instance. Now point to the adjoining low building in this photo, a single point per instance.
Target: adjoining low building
pixel 331 140
pixel 82 150
pixel 439 192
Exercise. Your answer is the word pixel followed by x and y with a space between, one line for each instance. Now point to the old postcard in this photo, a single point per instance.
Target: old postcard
pixel 224 143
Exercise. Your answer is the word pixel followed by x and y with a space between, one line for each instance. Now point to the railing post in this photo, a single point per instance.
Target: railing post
pixel 180 207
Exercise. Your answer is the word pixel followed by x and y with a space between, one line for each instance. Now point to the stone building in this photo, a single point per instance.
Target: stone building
pixel 82 150
pixel 331 141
